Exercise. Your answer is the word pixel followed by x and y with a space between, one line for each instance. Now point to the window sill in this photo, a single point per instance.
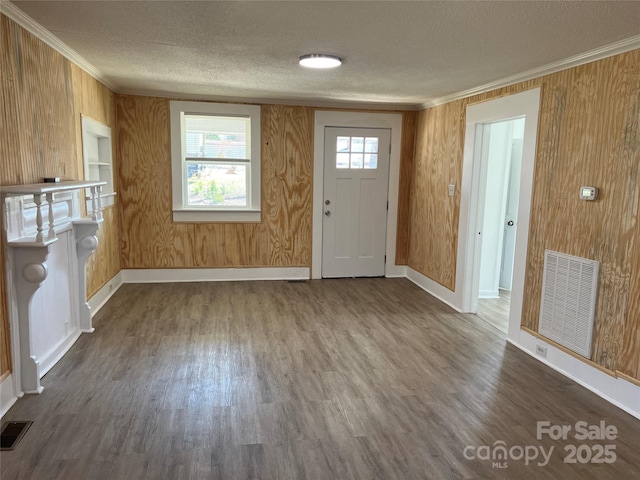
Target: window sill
pixel 220 216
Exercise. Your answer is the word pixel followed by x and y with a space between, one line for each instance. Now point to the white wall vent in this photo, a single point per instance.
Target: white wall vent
pixel 567 310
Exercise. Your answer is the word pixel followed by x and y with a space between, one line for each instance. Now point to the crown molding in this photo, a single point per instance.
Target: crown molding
pixel 298 102
pixel 622 46
pixel 14 13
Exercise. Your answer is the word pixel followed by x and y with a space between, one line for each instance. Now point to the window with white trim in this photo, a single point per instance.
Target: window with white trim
pixel 215 150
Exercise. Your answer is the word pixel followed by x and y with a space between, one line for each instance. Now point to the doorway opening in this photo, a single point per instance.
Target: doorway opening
pixel 514 118
pixel 497 217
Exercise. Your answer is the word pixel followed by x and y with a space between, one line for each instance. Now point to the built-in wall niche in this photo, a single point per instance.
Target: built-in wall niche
pixel 98 159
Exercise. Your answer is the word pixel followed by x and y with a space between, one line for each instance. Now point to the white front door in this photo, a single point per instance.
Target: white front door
pixel 356 177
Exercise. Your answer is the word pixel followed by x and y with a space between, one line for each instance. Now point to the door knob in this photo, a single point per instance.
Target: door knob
pixel 327 213
pixel 510 223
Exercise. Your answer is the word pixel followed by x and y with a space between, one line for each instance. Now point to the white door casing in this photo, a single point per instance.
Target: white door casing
pixel 525 104
pixel 356 171
pixel 392 121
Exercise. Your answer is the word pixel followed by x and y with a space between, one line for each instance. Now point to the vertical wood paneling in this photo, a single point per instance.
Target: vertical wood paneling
pixel 409 122
pixel 150 239
pixel 38 135
pixel 288 160
pixel 588 135
pixel 433 229
pixel 43 95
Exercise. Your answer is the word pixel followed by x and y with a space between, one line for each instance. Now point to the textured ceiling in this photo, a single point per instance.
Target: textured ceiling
pixel 395 52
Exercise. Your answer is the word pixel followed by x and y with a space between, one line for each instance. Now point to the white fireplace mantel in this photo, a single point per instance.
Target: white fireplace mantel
pixel 47 245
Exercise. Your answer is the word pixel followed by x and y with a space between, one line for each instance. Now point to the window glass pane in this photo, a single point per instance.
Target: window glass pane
pixel 342 145
pixel 342 160
pixel 370 160
pixel 216 185
pixel 209 136
pixel 371 144
pixel 357 144
pixel 356 160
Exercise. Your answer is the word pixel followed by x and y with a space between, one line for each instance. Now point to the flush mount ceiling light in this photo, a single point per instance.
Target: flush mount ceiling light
pixel 319 60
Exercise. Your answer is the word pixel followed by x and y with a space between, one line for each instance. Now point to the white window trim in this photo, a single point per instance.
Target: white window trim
pixel 182 213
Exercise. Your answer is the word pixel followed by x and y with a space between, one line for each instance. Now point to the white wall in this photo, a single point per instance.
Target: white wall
pixel 497 159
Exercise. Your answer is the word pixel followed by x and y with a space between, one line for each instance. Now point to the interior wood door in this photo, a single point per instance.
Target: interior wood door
pixel 356 179
pixel 511 217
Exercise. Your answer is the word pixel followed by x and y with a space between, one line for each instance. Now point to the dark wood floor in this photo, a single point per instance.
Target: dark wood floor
pixel 495 311
pixel 331 379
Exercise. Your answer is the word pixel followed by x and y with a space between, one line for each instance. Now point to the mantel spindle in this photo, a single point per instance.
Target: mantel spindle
pixel 52 232
pixel 37 199
pixel 94 204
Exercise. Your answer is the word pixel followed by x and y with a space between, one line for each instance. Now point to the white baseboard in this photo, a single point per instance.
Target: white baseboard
pixel 47 362
pixel 213 274
pixel 396 271
pixel 8 395
pixel 618 391
pixel 97 301
pixel 434 288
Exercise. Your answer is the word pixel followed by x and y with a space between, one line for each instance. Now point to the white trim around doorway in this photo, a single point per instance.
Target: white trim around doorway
pixel 363 120
pixel 525 104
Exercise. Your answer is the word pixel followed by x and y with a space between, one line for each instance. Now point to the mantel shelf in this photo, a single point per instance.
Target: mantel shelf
pixel 31 242
pixel 43 188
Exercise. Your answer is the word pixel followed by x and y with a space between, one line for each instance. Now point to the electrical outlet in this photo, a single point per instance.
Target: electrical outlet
pixel 452 190
pixel 542 351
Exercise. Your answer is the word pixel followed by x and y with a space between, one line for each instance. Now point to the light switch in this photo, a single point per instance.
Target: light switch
pixel 452 190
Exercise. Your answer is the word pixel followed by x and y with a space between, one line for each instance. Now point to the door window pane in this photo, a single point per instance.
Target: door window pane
pixel 342 145
pixel 351 152
pixel 371 160
pixel 342 160
pixel 356 160
pixel 371 145
pixel 357 144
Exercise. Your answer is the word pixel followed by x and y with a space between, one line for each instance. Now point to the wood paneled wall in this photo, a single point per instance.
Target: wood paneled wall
pixel 43 96
pixel 588 134
pixel 150 239
pixel 433 228
pixel 409 123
